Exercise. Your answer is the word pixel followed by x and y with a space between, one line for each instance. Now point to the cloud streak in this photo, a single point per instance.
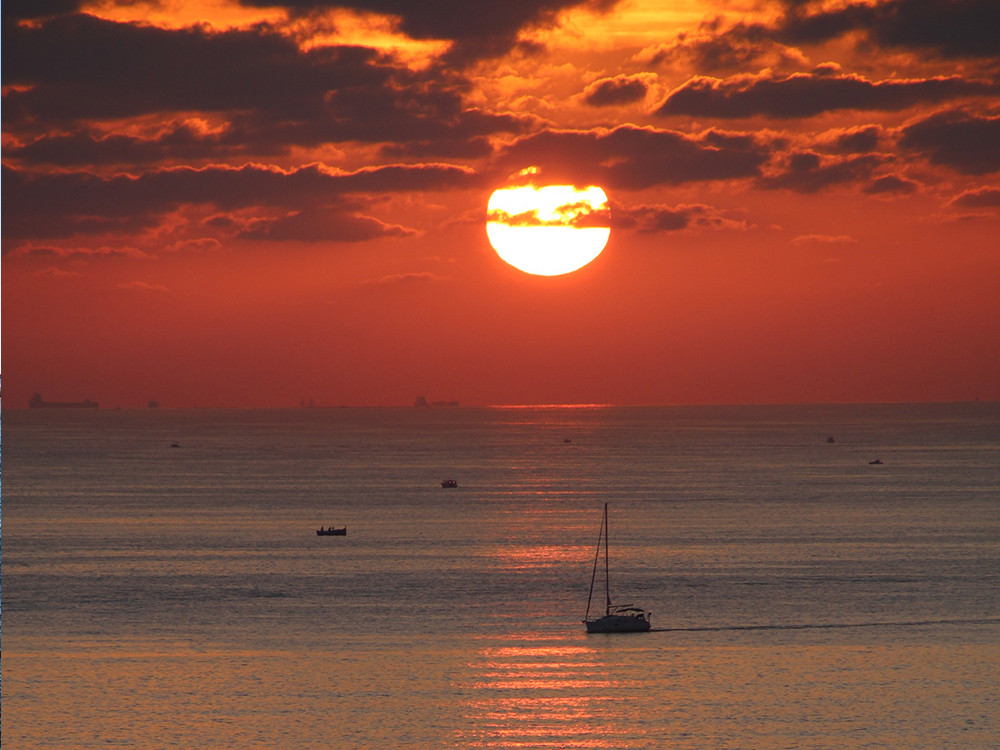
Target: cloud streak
pixel 951 28
pixel 64 204
pixel 631 158
pixel 809 95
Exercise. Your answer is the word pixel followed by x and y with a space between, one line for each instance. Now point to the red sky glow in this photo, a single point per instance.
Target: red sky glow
pixel 256 203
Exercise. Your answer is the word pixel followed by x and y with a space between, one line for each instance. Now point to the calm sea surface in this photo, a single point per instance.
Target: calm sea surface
pixel 178 597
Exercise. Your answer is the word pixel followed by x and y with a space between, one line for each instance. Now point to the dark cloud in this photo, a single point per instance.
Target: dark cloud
pixel 179 141
pixel 808 172
pixel 65 204
pixel 984 197
pixel 631 157
pixel 323 225
pixel 579 215
pixel 476 147
pixel 966 142
pixel 646 218
pixel 80 253
pixel 524 219
pixel 25 9
pixel 81 68
pixel 947 28
pixel 478 31
pixel 616 91
pixel 182 142
pixel 737 48
pixel 653 218
pixel 809 94
pixel 582 215
pixel 951 28
pixel 891 184
pixel 860 140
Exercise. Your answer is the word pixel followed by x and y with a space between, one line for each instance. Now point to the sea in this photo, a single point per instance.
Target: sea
pixel 163 585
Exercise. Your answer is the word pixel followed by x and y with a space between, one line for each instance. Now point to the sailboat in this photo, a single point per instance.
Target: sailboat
pixel 616 618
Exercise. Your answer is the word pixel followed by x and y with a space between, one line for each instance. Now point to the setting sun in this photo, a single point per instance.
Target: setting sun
pixel 548 230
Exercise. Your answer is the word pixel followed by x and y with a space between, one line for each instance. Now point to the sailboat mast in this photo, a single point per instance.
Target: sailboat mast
pixel 607 578
pixel 593 575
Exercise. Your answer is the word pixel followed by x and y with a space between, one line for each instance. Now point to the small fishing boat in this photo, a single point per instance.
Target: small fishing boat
pixel 621 618
pixel 449 483
pixel 342 531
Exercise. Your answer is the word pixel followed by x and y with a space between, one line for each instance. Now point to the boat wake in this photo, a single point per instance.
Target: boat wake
pixel 831 625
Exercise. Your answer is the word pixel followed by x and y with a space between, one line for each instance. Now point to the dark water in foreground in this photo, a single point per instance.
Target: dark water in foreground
pixel 162 597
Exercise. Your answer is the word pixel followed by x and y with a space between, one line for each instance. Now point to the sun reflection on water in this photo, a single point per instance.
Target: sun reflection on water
pixel 539 694
pixel 542 555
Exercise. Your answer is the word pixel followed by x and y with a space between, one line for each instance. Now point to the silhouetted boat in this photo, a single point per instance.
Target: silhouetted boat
pixel 331 531
pixel 422 401
pixel 449 483
pixel 876 462
pixel 623 618
pixel 36 402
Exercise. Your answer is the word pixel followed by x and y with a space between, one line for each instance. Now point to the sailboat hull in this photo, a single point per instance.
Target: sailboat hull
pixel 618 624
pixel 623 618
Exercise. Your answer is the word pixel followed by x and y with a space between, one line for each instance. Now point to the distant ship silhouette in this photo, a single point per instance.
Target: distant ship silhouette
pixel 422 401
pixel 35 402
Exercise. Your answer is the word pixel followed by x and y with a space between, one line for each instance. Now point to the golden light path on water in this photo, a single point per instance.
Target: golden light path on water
pixel 538 694
pixel 542 691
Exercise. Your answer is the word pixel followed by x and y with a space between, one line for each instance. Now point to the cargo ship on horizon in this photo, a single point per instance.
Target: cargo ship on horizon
pixel 422 401
pixel 36 402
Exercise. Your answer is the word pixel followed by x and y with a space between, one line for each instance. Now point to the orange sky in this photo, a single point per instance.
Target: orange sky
pixel 241 203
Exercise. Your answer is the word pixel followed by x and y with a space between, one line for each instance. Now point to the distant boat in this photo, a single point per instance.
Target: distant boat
pixel 623 618
pixel 422 401
pixel 331 531
pixel 449 483
pixel 36 402
pixel 876 462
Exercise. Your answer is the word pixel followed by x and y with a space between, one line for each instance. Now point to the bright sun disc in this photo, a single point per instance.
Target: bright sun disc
pixel 548 230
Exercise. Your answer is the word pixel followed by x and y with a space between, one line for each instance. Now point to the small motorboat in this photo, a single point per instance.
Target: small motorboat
pixel 876 462
pixel 342 531
pixel 449 483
